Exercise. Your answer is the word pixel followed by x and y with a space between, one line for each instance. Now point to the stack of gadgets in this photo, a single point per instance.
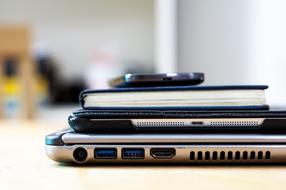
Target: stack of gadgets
pixel 166 118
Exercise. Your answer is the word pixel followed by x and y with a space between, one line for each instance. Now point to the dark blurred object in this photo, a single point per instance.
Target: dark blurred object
pixel 59 90
pixel 45 67
pixel 10 67
pixel 67 92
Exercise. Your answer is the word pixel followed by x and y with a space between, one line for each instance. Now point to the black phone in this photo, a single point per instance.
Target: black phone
pixel 159 79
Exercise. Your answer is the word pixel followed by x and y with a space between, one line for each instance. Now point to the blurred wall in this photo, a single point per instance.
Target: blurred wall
pixel 71 30
pixel 235 42
pixel 213 37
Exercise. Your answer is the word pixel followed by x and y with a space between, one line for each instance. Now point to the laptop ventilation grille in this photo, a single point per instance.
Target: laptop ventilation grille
pixel 229 155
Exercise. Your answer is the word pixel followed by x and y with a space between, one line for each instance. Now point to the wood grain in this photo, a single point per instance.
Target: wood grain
pixel 24 165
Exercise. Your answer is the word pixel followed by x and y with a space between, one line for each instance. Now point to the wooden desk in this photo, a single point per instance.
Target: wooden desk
pixel 24 165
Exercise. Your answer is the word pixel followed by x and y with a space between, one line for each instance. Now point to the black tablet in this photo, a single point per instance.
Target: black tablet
pixel 156 121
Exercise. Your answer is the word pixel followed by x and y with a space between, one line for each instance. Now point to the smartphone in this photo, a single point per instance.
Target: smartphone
pixel 159 79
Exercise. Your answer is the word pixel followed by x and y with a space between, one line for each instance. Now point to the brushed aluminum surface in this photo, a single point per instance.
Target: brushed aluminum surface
pixel 72 138
pixel 275 153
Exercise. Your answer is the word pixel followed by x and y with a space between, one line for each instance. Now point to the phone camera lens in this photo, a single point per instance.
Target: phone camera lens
pixel 80 154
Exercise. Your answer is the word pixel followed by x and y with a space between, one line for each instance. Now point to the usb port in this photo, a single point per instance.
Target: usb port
pixel 105 153
pixel 133 153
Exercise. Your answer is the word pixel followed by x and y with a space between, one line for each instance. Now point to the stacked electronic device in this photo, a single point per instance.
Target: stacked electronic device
pixel 172 124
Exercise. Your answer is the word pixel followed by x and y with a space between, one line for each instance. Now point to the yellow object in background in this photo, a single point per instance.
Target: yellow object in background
pixel 12 96
pixel 42 86
pixel 12 90
pixel 12 86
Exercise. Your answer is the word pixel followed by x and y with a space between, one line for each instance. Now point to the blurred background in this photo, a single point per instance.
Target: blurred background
pixel 51 50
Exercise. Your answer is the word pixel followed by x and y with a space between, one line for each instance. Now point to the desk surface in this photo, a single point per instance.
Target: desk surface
pixel 24 165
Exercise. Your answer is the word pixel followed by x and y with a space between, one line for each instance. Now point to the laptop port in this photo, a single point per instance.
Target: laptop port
pixel 163 153
pixel 133 153
pixel 197 123
pixel 105 153
pixel 80 154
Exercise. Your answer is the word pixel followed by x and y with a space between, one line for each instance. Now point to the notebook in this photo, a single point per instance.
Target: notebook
pixel 178 98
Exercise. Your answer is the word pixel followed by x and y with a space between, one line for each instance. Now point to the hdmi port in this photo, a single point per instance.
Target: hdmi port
pixel 163 153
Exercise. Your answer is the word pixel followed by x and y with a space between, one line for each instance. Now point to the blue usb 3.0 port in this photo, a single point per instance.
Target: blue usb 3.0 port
pixel 105 153
pixel 133 153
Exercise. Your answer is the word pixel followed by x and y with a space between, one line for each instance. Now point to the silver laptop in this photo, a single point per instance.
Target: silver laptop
pixel 69 147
